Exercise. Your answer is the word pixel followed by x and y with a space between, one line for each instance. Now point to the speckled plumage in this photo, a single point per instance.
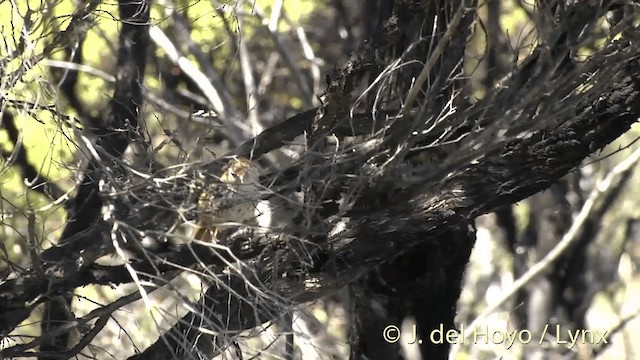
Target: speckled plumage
pixel 233 200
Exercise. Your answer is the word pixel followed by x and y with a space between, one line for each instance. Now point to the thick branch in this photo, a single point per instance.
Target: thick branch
pixel 506 175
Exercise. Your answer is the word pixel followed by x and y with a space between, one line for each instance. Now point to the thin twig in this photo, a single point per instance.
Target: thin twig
pixel 251 93
pixel 437 52
pixel 70 325
pixel 600 190
pixel 285 53
pixel 236 133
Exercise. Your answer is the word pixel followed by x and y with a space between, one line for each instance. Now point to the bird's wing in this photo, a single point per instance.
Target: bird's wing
pixel 239 171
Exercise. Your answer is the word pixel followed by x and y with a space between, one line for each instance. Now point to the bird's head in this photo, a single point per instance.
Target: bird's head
pixel 238 171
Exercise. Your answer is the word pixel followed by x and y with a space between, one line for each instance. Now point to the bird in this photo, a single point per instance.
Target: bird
pixel 234 200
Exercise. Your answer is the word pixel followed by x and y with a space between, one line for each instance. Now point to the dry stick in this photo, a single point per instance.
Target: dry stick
pixel 276 12
pixel 431 62
pixel 273 27
pixel 569 237
pixel 182 32
pixel 86 340
pixel 308 53
pixel 289 336
pixel 19 350
pixel 156 100
pixel 267 74
pixel 251 93
pixel 68 65
pixel 227 115
pixel 285 53
pixel 251 90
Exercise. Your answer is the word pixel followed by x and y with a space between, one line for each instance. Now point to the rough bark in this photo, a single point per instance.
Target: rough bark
pixel 373 236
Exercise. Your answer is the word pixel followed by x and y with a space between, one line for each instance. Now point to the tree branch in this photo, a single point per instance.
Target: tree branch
pixel 372 236
pixel 113 139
